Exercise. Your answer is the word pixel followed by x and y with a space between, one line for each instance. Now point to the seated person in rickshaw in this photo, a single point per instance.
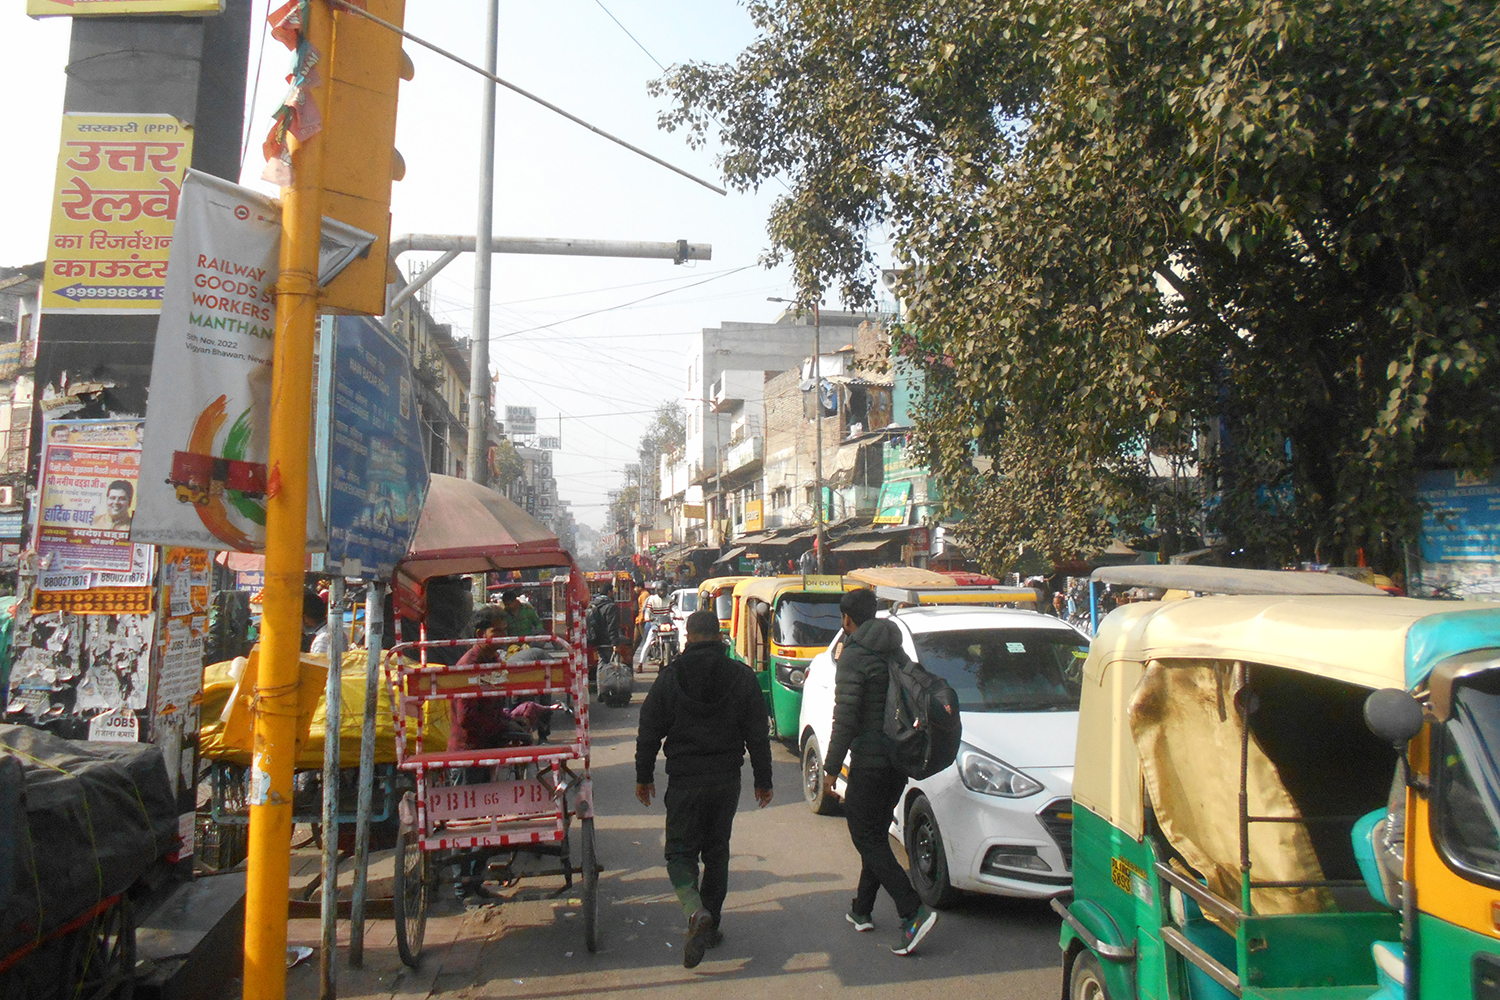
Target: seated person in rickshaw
pixel 521 618
pixel 485 723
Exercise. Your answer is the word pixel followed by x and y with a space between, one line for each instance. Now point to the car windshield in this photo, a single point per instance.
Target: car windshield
pixel 724 604
pixel 1470 791
pixel 1007 669
pixel 687 601
pixel 806 620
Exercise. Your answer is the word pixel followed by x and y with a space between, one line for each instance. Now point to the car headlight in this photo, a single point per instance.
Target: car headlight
pixel 985 774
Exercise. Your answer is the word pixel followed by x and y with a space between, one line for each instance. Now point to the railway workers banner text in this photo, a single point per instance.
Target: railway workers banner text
pixel 203 466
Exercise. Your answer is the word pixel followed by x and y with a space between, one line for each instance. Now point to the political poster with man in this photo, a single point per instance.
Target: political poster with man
pixel 89 473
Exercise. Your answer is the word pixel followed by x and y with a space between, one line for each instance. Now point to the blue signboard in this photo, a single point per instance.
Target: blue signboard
pixel 377 472
pixel 1460 517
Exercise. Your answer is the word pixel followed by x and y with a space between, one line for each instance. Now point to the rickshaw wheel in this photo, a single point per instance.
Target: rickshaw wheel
pixel 590 888
pixel 412 890
pixel 1088 979
pixel 929 868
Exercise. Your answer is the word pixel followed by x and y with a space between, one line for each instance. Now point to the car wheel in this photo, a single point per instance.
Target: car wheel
pixel 818 800
pixel 929 863
pixel 1088 979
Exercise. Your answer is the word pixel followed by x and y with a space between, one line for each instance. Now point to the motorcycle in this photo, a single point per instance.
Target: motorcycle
pixel 661 644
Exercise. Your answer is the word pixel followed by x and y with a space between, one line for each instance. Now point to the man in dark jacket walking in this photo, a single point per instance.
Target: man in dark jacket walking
pixel 602 627
pixel 709 709
pixel 861 680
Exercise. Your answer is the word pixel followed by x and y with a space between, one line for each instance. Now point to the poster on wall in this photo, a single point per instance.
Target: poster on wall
pixel 86 560
pixel 203 468
pixel 119 180
pixel 185 581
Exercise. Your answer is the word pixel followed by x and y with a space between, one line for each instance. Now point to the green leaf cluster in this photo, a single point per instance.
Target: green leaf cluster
pixel 1187 266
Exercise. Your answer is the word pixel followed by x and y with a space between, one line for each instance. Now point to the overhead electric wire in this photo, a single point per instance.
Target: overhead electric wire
pixel 345 5
pixel 260 66
pixel 632 37
pixel 622 305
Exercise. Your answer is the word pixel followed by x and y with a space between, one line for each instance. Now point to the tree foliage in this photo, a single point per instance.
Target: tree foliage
pixel 1254 242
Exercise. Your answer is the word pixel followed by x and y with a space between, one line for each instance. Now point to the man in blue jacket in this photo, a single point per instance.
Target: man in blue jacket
pixel 709 710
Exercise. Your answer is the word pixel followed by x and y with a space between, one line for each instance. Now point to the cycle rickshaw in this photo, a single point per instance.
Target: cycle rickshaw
pixel 515 808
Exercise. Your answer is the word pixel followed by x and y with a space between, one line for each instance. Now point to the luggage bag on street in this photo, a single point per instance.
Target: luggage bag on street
pixel 615 679
pixel 922 726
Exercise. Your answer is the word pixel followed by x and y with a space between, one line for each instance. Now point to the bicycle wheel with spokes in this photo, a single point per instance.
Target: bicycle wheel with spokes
pixel 412 891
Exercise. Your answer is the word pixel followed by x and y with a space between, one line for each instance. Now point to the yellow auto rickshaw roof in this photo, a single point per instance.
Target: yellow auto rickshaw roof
pixel 768 588
pixel 911 577
pixel 715 584
pixel 1355 639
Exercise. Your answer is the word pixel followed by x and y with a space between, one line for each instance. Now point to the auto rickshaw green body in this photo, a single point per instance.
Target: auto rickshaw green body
pixel 1216 859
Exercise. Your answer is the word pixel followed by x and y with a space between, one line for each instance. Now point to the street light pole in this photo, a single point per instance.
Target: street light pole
pixel 479 348
pixel 818 410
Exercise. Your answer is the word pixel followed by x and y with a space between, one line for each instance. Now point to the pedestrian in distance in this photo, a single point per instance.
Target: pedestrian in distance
pixel 874 786
pixel 709 710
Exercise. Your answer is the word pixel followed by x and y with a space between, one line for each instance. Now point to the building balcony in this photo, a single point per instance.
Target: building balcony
pixel 747 452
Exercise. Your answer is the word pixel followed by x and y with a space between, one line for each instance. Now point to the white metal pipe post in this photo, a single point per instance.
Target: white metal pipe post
pixel 374 643
pixel 479 347
pixel 327 981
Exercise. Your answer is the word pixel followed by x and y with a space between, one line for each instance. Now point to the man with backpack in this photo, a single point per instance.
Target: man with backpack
pixel 862 680
pixel 602 625
pixel 709 710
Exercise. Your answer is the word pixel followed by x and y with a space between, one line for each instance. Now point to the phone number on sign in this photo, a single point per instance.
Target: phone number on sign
pixel 108 292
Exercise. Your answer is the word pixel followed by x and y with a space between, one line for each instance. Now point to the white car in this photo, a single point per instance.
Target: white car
pixel 683 602
pixel 999 819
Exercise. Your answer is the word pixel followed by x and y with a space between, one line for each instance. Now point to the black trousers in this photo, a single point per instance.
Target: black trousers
pixel 699 822
pixel 870 798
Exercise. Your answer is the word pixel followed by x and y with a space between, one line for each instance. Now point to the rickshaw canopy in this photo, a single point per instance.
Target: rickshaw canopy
pixel 1219 580
pixel 1366 641
pixel 468 528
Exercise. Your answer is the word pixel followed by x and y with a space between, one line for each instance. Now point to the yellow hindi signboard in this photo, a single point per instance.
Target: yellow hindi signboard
pixel 118 182
pixel 84 8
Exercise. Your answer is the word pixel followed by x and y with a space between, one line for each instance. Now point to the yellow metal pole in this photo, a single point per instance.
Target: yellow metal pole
pixel 286 540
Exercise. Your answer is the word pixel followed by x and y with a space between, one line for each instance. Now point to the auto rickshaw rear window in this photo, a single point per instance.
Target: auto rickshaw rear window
pixel 806 620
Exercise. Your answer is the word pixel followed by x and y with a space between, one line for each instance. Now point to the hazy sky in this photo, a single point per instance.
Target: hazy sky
pixel 553 178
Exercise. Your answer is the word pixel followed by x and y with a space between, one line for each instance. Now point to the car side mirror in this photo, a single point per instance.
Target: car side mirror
pixel 1394 716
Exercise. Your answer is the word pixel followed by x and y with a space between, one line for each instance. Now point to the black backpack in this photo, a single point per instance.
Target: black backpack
pixel 922 726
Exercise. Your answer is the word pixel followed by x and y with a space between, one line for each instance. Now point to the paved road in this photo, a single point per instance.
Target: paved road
pixel 790 882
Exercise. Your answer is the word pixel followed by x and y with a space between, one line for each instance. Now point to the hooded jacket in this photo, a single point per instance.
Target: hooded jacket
pixel 709 710
pixel 860 682
pixel 603 621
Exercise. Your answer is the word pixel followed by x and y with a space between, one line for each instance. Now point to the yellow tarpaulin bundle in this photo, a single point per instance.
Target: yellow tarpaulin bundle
pixel 218 687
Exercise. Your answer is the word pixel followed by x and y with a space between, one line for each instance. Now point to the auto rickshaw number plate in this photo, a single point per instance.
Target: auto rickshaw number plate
pixel 1128 877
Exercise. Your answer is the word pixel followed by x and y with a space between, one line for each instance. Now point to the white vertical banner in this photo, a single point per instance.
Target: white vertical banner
pixel 203 463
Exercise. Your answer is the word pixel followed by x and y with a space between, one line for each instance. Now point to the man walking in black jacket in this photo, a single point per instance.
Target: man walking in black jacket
pixel 709 709
pixel 861 680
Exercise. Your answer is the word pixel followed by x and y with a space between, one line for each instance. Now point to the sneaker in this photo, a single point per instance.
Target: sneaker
pixel 700 930
pixel 914 930
pixel 860 923
pixel 715 938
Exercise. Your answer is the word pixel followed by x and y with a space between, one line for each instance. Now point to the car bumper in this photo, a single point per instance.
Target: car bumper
pixel 975 825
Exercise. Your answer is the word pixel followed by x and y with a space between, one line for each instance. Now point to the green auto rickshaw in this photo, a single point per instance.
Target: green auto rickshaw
pixel 1285 796
pixel 779 624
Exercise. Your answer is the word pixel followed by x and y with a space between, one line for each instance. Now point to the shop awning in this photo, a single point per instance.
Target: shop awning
pixel 733 553
pixel 863 544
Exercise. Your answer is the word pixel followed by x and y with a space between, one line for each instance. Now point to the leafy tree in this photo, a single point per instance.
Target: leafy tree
pixel 1254 243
